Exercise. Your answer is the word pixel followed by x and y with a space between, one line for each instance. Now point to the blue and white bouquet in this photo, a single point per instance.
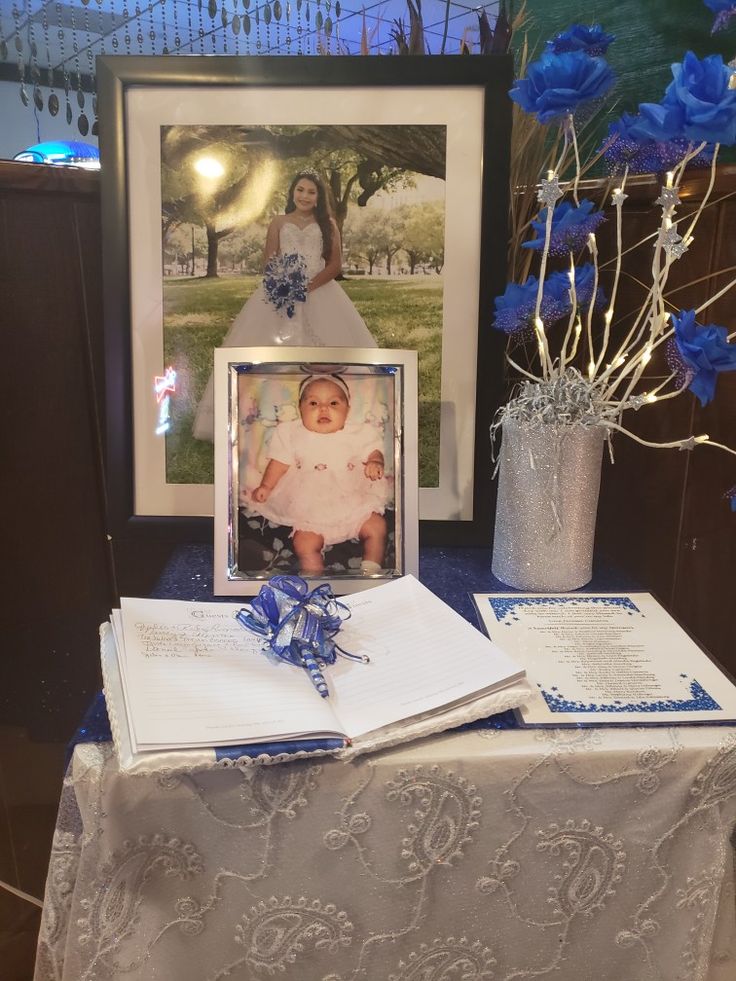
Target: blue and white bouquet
pixel 587 363
pixel 285 281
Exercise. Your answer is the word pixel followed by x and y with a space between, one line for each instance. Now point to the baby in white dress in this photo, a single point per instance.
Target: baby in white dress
pixel 325 478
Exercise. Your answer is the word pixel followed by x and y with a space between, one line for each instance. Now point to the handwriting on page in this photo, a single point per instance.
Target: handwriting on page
pixel 191 639
pixel 198 676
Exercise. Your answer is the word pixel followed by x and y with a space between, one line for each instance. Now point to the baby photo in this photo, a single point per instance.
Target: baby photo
pixel 316 471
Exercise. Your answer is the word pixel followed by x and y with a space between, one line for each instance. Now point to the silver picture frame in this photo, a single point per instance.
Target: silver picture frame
pixel 257 390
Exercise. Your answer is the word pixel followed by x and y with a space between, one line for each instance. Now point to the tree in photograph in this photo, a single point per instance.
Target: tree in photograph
pixel 218 184
pixel 184 244
pixel 244 250
pixel 423 234
pixel 362 240
pixel 376 235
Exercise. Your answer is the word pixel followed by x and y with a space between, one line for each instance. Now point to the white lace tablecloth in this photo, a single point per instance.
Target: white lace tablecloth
pixel 577 855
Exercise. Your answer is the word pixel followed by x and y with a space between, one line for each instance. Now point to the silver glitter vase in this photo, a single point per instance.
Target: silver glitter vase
pixel 549 478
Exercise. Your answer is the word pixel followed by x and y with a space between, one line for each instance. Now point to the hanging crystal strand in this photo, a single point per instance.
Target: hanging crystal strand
pixel 299 28
pixel 152 36
pixel 246 25
pixel 212 11
pixel 62 63
pixel 277 12
pixel 126 26
pixel 235 27
pixel 224 20
pixel 257 12
pixel 308 27
pixel 318 23
pixel 114 39
pixel 19 51
pixel 190 26
pixel 267 18
pixel 287 25
pixel 138 29
pixel 4 40
pixel 327 26
pixel 82 122
pixel 102 51
pixel 35 71
pixel 164 35
pixel 337 12
pixel 201 30
pixel 177 35
pixel 52 102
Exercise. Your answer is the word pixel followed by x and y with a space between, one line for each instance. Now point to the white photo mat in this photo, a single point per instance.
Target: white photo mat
pixel 459 109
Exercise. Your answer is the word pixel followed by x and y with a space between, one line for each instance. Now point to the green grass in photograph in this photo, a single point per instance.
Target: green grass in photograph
pixel 198 312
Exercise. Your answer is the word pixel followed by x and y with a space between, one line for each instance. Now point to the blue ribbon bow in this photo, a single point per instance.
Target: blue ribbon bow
pixel 299 625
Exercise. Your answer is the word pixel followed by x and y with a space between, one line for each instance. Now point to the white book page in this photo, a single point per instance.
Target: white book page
pixel 194 677
pixel 602 658
pixel 423 656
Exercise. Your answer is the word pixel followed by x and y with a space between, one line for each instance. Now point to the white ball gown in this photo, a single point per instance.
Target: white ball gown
pixel 326 319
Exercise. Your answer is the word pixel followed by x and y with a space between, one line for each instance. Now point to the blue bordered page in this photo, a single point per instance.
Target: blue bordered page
pixel 605 658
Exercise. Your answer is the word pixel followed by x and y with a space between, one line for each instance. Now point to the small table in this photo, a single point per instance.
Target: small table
pixel 485 854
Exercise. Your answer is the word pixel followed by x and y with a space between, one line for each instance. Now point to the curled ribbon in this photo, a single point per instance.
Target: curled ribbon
pixel 299 626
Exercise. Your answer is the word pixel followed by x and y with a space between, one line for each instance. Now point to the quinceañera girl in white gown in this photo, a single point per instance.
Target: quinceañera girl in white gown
pixel 326 319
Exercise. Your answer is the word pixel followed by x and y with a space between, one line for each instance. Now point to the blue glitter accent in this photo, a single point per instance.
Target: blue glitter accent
pixel 506 607
pixel 700 701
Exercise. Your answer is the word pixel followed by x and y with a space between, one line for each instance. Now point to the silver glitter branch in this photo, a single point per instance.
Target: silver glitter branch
pixel 563 396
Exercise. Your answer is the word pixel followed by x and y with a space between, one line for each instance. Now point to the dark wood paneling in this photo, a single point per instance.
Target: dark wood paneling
pixel 58 576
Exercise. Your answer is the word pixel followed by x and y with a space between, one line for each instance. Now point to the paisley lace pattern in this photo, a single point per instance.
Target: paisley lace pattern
pixel 569 854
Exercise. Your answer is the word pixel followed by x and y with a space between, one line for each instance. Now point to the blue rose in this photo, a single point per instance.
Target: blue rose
pixel 558 285
pixel 591 40
pixel 629 145
pixel 698 105
pixel 703 351
pixel 515 308
pixel 556 84
pixel 724 11
pixel 570 227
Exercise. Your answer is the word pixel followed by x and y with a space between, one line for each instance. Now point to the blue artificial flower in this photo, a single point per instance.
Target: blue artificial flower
pixel 556 84
pixel 515 308
pixel 724 11
pixel 730 495
pixel 591 40
pixel 628 145
pixel 285 281
pixel 570 227
pixel 558 285
pixel 584 280
pixel 700 353
pixel 698 105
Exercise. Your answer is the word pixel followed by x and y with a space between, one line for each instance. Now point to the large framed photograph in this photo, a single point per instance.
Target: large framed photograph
pixel 315 466
pixel 386 176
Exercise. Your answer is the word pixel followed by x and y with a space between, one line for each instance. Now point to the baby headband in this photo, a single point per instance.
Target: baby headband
pixel 331 378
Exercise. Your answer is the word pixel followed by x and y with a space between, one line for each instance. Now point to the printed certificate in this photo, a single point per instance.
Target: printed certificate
pixel 605 658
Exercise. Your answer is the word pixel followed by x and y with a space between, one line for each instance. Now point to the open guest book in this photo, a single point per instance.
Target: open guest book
pixel 186 686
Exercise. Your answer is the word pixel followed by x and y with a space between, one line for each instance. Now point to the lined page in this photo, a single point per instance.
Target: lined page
pixel 194 677
pixel 423 655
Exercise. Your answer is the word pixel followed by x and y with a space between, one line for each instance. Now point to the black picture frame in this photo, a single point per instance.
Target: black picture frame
pixel 118 75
